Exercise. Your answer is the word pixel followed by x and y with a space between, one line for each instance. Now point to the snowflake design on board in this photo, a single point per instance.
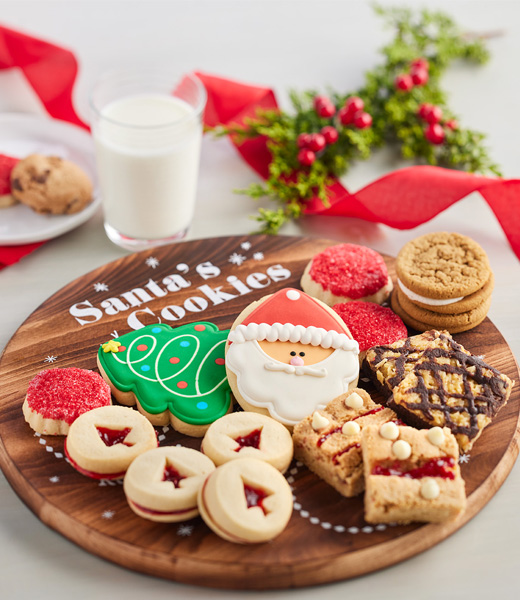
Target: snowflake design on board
pixel 245 246
pixel 50 359
pixel 152 262
pixel 114 334
pixel 237 259
pixel 108 514
pixel 464 458
pixel 258 256
pixel 184 530
pixel 100 287
pixel 54 479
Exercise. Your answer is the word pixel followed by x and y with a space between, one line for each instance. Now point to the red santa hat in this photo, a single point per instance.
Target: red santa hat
pixel 291 315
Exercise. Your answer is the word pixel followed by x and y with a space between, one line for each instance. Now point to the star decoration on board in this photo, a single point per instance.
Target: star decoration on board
pixel 100 287
pixel 114 334
pixel 50 359
pixel 108 514
pixel 152 262
pixel 111 346
pixel 258 256
pixel 464 458
pixel 54 479
pixel 237 259
pixel 245 245
pixel 184 530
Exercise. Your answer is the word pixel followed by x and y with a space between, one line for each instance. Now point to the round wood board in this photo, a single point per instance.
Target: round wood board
pixel 326 540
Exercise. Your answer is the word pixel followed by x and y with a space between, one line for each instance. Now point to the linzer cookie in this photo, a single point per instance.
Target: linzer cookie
pixel 288 355
pixel 411 475
pixel 451 388
pixel 347 272
pixel 444 282
pixel 329 440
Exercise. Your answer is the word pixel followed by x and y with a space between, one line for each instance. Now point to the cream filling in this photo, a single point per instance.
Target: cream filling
pixel 413 296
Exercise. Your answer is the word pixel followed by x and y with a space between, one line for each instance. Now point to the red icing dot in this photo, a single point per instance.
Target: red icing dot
pixel 349 270
pixel 219 361
pixel 200 327
pixel 64 394
pixel 174 360
pixel 121 348
pixel 142 347
pixel 371 324
pixel 182 384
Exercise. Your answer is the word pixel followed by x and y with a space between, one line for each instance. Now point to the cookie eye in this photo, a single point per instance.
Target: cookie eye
pixel 302 353
pixel 293 353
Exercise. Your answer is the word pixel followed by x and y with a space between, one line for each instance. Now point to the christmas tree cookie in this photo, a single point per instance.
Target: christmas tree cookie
pixel 174 375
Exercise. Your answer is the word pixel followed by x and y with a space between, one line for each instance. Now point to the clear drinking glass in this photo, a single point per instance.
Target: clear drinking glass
pixel 147 129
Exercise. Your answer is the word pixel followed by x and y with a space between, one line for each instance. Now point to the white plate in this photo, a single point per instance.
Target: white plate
pixel 24 134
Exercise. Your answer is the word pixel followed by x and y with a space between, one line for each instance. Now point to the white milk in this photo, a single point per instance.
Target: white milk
pixel 147 151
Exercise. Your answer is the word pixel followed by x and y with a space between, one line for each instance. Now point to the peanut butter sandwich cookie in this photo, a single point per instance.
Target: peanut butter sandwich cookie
pixel 444 282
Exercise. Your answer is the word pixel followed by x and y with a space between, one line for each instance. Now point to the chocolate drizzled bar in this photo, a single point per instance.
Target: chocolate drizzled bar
pixel 436 381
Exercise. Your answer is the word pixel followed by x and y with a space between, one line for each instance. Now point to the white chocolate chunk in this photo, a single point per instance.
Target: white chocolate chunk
pixel 354 401
pixel 389 431
pixel 319 421
pixel 401 449
pixel 436 436
pixel 430 489
pixel 350 428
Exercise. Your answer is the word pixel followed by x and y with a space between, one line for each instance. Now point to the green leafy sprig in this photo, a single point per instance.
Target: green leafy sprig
pixel 430 36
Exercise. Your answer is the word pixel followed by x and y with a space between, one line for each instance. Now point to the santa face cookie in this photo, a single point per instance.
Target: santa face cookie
pixel 347 272
pixel 162 484
pixel 103 442
pixel 175 375
pixel 288 355
pixel 246 501
pixel 248 435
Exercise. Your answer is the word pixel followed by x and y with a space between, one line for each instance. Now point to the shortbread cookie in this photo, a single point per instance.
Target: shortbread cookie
pixel 288 355
pixel 49 184
pixel 162 484
pixel 347 272
pixel 174 375
pixel 411 475
pixel 444 282
pixel 246 501
pixel 328 441
pixel 103 442
pixel 248 434
pixel 451 388
pixel 57 397
pixel 371 324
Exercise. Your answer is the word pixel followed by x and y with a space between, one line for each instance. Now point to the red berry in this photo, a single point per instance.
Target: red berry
pixel 420 63
pixel 317 142
pixel 345 115
pixel 434 133
pixel 303 140
pixel 404 82
pixel 326 110
pixel 424 109
pixel 452 124
pixel 419 76
pixel 434 115
pixel 306 157
pixel 320 101
pixel 330 134
pixel 354 104
pixel 362 120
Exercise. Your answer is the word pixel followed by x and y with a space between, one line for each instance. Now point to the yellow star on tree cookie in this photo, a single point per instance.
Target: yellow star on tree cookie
pixel 111 346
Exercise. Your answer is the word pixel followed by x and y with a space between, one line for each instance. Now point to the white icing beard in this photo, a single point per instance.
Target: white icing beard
pixel 289 393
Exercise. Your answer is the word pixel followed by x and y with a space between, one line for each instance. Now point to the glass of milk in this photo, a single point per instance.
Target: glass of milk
pixel 147 129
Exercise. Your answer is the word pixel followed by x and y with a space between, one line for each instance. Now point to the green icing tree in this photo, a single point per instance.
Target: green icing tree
pixel 177 369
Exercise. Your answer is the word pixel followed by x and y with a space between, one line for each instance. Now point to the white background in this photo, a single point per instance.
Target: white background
pixel 281 44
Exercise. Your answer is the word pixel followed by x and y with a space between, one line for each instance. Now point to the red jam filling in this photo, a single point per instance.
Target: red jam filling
pixel 255 497
pixel 370 412
pixel 338 455
pixel 91 474
pixel 250 440
pixel 111 437
pixel 327 435
pixel 151 511
pixel 437 467
pixel 171 474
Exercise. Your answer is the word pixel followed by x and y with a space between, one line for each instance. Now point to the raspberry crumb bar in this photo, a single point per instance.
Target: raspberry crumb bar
pixel 411 475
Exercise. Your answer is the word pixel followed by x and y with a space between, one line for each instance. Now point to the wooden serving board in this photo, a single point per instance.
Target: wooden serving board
pixel 326 540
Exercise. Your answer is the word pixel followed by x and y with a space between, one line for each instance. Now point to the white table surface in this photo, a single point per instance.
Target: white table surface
pixel 282 44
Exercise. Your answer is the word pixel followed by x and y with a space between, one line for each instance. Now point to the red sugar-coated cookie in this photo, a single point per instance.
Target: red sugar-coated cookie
pixel 347 272
pixel 6 166
pixel 371 324
pixel 57 397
